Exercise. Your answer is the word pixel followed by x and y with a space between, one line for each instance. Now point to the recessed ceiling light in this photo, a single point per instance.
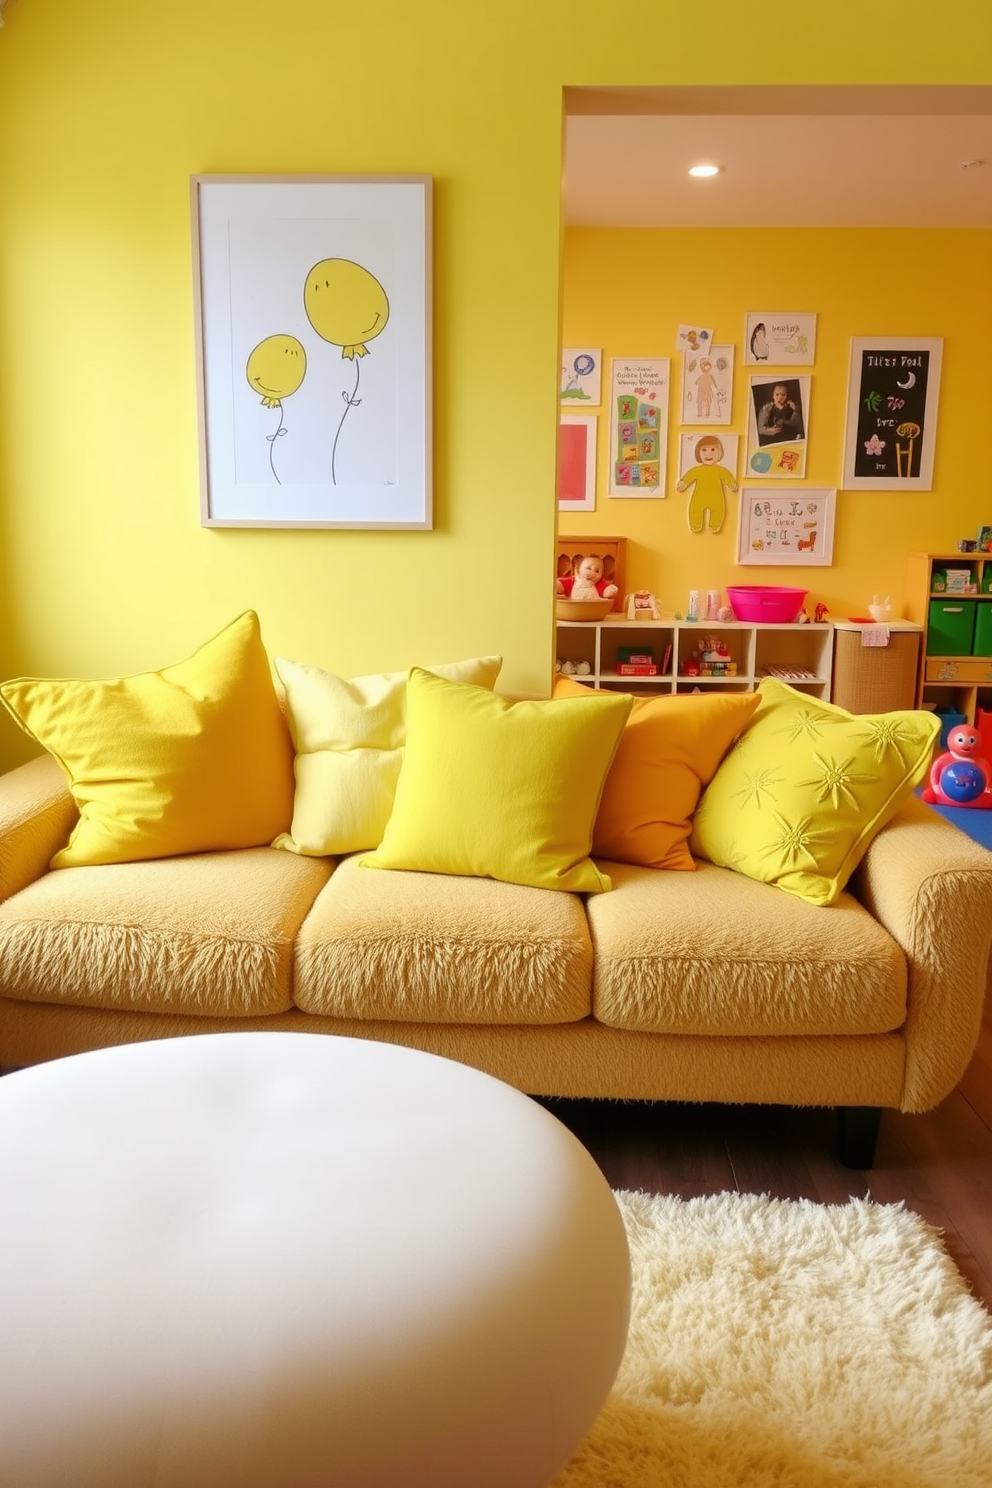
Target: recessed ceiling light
pixel 704 170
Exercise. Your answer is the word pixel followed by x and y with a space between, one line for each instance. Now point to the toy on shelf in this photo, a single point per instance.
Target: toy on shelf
pixel 642 605
pixel 960 776
pixel 588 582
pixel 712 659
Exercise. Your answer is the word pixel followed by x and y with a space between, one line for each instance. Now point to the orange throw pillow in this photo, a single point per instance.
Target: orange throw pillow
pixel 669 751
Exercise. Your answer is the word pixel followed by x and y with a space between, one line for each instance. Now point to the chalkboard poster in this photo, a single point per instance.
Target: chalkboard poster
pixel 892 413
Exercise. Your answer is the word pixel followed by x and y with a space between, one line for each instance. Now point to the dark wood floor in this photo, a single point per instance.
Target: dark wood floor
pixel 939 1164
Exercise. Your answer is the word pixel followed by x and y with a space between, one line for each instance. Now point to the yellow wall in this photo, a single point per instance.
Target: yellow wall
pixel 108 107
pixel 627 291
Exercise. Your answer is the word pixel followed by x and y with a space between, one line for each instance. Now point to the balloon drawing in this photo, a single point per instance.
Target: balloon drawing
pixel 348 307
pixel 276 368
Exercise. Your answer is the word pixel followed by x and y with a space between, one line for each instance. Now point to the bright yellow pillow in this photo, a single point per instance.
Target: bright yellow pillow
pixel 494 789
pixel 802 793
pixel 188 759
pixel 349 738
pixel 668 752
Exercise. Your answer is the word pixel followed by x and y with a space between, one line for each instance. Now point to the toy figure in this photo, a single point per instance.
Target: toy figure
pixel 960 776
pixel 710 481
pixel 588 583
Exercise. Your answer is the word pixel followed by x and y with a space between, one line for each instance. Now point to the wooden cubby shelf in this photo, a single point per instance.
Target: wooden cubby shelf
pixel 799 654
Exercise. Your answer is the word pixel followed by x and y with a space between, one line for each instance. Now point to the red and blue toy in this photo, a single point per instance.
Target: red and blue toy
pixel 960 776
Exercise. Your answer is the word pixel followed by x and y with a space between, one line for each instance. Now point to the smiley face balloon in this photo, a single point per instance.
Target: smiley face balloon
pixel 345 304
pixel 276 368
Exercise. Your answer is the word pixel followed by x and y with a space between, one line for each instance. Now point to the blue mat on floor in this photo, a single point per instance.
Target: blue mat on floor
pixel 977 823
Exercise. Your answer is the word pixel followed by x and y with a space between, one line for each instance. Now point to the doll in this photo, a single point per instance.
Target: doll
pixel 588 582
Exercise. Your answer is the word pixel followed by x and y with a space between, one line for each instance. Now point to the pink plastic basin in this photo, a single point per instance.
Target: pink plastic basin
pixel 773 603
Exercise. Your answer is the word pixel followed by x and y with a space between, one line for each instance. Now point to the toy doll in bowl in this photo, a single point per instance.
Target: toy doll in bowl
pixel 588 582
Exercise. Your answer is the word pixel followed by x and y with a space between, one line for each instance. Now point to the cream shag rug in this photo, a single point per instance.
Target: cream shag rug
pixel 792 1345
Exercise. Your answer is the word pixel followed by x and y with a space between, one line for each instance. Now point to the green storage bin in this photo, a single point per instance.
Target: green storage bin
pixel 983 629
pixel 952 627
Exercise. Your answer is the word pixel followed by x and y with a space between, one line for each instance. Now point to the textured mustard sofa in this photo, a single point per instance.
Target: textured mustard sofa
pixel 704 986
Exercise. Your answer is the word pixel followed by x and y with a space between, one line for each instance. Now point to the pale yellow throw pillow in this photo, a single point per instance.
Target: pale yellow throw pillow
pixel 490 788
pixel 349 738
pixel 191 758
pixel 806 787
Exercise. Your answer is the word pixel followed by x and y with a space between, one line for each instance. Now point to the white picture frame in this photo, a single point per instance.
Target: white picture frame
pixel 779 338
pixel 581 377
pixel 577 462
pixel 793 528
pixel 891 423
pixel 313 292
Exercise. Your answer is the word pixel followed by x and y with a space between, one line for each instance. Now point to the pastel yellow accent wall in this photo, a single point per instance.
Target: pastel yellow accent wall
pixel 108 107
pixel 628 290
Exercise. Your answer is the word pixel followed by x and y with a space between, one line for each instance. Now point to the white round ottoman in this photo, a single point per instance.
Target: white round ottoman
pixel 258 1260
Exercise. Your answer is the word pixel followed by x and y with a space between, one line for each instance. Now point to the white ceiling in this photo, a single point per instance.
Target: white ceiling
pixel 788 157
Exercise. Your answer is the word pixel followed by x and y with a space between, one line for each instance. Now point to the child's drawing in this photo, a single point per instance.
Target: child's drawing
pixel 708 386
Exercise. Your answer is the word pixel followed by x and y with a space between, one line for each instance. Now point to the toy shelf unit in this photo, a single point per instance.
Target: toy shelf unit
pixel 673 656
pixel 950 595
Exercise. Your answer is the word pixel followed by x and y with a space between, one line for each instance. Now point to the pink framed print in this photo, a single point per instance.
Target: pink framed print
pixel 577 463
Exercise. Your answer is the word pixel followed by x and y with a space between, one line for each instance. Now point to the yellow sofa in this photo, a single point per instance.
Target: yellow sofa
pixel 705 986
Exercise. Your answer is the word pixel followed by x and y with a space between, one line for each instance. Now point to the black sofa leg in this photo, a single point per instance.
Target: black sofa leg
pixel 857 1133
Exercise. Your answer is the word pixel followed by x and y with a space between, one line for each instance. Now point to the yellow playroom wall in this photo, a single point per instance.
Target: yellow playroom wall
pixel 627 291
pixel 108 107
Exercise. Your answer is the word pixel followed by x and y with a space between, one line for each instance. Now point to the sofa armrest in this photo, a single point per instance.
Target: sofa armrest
pixel 930 886
pixel 37 813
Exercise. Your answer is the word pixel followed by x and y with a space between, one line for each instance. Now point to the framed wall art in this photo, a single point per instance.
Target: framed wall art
pixel 778 427
pixel 708 385
pixel 581 376
pixel 638 425
pixel 779 338
pixel 577 462
pixel 313 336
pixel 892 413
pixel 786 527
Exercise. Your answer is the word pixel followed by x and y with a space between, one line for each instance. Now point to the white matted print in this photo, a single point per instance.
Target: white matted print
pixel 778 426
pixel 708 385
pixel 892 413
pixel 577 462
pixel 780 338
pixel 638 425
pixel 794 528
pixel 313 315
pixel 581 375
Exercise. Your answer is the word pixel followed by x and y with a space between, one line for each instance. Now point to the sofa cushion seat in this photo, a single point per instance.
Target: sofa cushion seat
pixel 714 953
pixel 411 947
pixel 209 933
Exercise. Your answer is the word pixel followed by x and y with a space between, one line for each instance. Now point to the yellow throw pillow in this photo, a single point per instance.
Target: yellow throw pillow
pixel 349 738
pixel 807 786
pixel 191 758
pixel 668 752
pixel 495 789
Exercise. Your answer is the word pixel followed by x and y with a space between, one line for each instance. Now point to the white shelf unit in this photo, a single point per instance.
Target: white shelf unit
pixel 799 654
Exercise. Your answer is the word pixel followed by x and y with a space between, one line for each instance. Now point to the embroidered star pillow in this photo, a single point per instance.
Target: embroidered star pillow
pixel 806 787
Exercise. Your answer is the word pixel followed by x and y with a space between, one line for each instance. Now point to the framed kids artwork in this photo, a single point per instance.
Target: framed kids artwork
pixel 312 305
pixel 778 427
pixel 892 413
pixel 577 462
pixel 639 391
pixel 778 527
pixel 707 385
pixel 581 376
pixel 779 338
